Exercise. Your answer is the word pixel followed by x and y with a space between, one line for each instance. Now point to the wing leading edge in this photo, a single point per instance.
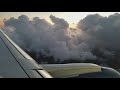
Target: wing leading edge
pixel 15 63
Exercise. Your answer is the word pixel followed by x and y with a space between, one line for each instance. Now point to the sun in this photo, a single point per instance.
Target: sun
pixel 73 25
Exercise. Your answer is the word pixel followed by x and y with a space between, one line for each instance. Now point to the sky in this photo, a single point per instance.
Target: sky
pixel 71 17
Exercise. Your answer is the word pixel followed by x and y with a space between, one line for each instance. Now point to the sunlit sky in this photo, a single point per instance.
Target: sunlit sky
pixel 71 17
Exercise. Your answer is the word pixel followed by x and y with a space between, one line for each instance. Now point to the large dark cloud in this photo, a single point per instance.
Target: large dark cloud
pixel 104 31
pixel 56 40
pixel 96 37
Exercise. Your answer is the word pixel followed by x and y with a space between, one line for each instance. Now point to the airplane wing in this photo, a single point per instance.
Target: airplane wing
pixel 80 70
pixel 71 69
pixel 15 63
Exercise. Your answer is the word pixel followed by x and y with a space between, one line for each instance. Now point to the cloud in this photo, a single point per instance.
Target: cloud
pixel 95 39
pixel 104 31
pixel 59 23
pixel 56 40
pixel 63 43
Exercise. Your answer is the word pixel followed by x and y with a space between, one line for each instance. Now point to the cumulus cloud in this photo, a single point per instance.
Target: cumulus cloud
pixel 63 43
pixel 59 23
pixel 104 31
pixel 56 40
pixel 95 39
